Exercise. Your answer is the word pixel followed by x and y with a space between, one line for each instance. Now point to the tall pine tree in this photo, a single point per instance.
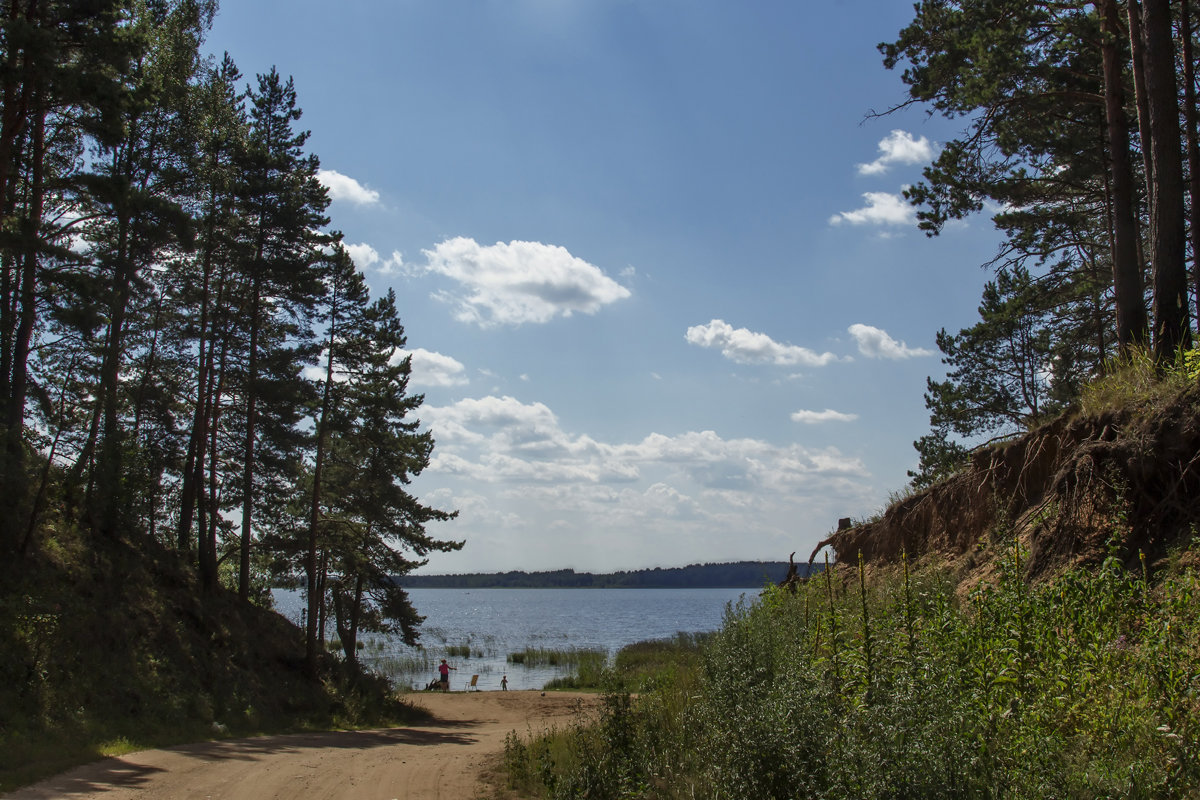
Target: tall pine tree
pixel 284 205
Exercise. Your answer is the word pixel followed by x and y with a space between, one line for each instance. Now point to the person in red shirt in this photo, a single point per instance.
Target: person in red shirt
pixel 444 671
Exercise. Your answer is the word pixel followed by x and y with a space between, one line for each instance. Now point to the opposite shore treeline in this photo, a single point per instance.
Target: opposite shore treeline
pixel 733 575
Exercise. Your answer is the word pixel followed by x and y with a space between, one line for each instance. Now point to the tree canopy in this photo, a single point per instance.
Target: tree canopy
pixel 169 284
pixel 1077 125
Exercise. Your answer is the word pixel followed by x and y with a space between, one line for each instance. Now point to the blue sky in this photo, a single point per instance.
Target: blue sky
pixel 662 296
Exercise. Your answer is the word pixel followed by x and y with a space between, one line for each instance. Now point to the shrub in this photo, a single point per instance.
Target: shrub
pixel 1080 687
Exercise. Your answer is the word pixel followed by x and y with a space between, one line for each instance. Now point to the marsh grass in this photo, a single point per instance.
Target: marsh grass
pixel 589 671
pixel 896 687
pixel 550 657
pixel 402 663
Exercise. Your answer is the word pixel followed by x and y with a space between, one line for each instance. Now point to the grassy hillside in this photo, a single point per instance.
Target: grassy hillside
pixel 105 649
pixel 1125 463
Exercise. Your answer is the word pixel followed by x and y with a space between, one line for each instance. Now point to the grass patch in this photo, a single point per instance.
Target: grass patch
pixel 549 657
pixel 588 672
pixel 1137 383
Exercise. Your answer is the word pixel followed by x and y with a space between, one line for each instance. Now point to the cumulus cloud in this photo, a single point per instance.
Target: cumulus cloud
pixel 366 257
pixel 501 439
pixel 899 147
pixel 875 343
pixel 506 424
pixel 522 480
pixel 882 208
pixel 519 282
pixel 343 187
pixel 434 369
pixel 819 417
pixel 748 347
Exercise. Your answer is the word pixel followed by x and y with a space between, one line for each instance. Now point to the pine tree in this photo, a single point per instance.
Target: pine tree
pixel 284 205
pixel 218 128
pixel 1131 322
pixel 61 68
pixel 1167 226
pixel 1000 374
pixel 138 222
pixel 345 319
pixel 377 528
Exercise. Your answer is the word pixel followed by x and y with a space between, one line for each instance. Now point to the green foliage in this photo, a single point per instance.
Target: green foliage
pixel 166 274
pixel 1044 92
pixel 940 457
pixel 1191 364
pixel 589 671
pixel 1004 374
pixel 998 374
pixel 895 687
pixel 458 650
pixel 1138 384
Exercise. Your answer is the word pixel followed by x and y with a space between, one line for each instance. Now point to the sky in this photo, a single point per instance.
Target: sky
pixel 663 297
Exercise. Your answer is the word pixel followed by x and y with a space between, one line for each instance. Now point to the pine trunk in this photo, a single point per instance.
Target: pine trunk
pixel 1193 145
pixel 248 452
pixel 1127 270
pixel 1170 300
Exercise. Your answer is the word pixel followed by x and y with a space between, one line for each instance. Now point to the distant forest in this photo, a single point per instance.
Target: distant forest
pixel 735 575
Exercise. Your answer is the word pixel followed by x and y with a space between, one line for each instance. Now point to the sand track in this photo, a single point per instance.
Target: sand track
pixel 443 758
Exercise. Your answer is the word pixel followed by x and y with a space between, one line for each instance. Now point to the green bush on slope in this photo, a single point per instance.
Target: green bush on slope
pixel 1081 687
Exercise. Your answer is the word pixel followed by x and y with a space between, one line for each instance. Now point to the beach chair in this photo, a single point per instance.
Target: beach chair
pixel 474 683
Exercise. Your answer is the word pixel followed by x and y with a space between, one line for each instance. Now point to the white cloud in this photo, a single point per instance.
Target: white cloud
pixel 535 495
pixel 519 282
pixel 366 257
pixel 434 369
pixel 899 147
pixel 875 343
pixel 363 255
pixel 501 439
pixel 507 424
pixel 315 373
pixel 882 208
pixel 747 347
pixel 819 417
pixel 343 187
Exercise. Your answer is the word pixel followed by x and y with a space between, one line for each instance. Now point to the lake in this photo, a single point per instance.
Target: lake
pixel 496 622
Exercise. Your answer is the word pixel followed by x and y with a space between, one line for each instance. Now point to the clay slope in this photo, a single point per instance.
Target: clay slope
pixel 1065 490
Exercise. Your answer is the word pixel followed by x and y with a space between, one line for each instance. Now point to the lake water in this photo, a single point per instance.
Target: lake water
pixel 496 622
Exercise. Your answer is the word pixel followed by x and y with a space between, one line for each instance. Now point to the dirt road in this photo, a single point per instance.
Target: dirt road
pixel 440 759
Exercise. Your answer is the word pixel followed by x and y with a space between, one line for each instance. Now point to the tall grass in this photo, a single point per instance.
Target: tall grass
pixel 588 671
pixel 896 687
pixel 548 657
pixel 1137 382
